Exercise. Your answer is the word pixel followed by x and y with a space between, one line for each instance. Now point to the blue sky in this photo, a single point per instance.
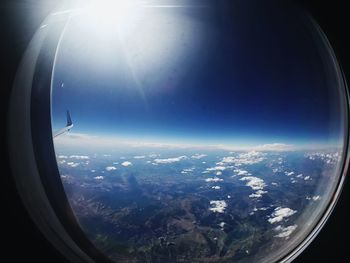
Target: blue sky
pixel 224 74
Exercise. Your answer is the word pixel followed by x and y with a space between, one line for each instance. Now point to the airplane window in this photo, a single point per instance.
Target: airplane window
pixel 193 131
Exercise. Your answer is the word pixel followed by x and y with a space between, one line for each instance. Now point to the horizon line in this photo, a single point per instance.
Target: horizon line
pixel 84 139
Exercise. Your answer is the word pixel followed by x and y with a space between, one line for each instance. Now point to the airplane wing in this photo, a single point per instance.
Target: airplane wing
pixel 67 128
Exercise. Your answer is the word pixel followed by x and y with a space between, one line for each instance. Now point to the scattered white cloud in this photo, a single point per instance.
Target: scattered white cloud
pixel 170 160
pixel 218 173
pixel 139 157
pixel 300 176
pixel 254 182
pixel 229 197
pixel 246 158
pixel 281 213
pixel 111 168
pixel 285 232
pixel 263 208
pixel 126 163
pixel 307 178
pixel 274 183
pixel 275 147
pixel 79 157
pixel 216 187
pixel 257 194
pixel 198 156
pixel 222 224
pixel 288 173
pixel 241 172
pixel 62 156
pixel 188 170
pixel 276 170
pixel 269 147
pixel 328 158
pixel 218 206
pixel 214 179
pixel 314 198
pixel 98 177
pixel 216 168
pixel 73 164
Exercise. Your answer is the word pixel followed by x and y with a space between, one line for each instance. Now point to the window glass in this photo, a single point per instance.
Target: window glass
pixel 203 131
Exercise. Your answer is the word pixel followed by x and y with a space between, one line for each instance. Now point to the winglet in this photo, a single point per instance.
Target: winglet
pixel 65 129
pixel 69 119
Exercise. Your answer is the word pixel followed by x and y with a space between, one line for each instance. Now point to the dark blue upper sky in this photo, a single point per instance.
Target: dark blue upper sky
pixel 239 71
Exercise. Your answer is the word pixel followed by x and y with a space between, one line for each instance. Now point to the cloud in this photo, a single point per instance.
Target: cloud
pixel 170 160
pixel 269 147
pixel 254 182
pixel 257 194
pixel 317 197
pixel 328 158
pixel 188 170
pixel 288 173
pixel 73 164
pixel 214 169
pixel 216 187
pixel 139 157
pixel 111 168
pixel 218 206
pixel 91 141
pixel 280 213
pixel 79 157
pixel 62 156
pixel 215 179
pixel 241 172
pixel 285 232
pixel 247 158
pixel 222 224
pixel 72 139
pixel 74 135
pixel 198 156
pixel 314 198
pixel 278 147
pixel 98 177
pixel 307 178
pixel 126 163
